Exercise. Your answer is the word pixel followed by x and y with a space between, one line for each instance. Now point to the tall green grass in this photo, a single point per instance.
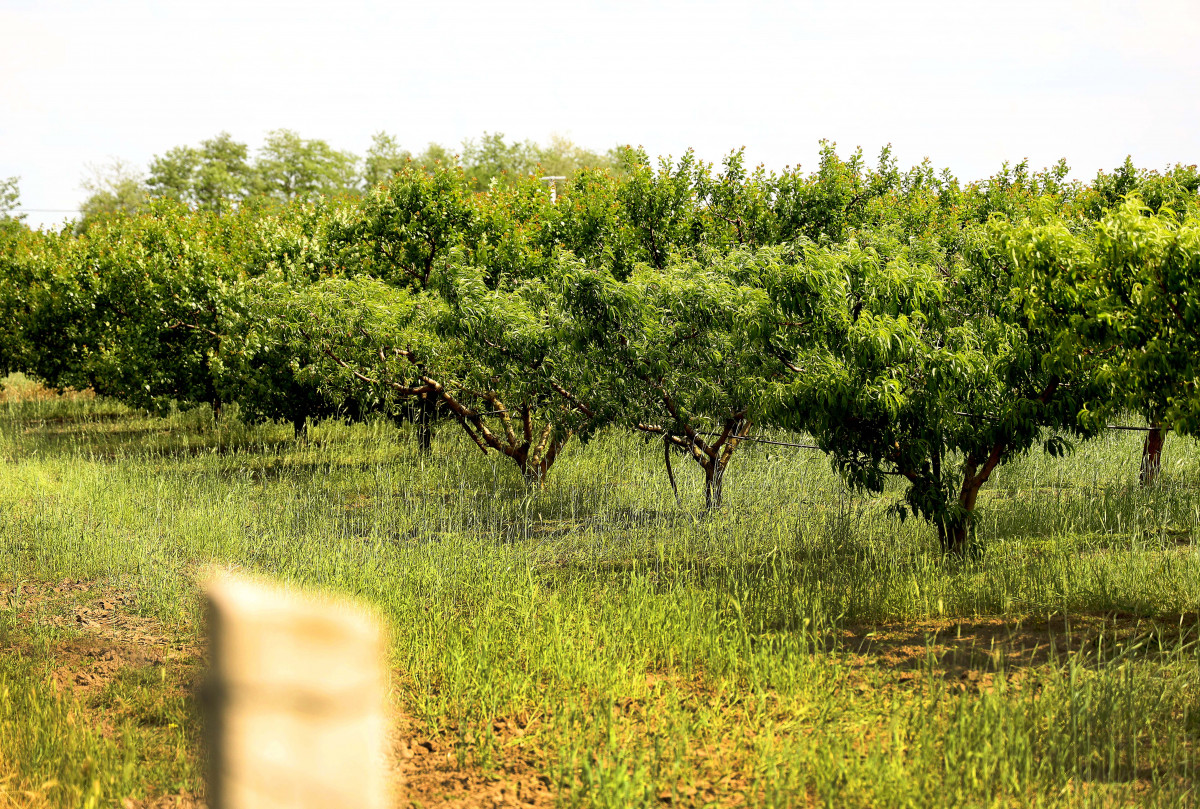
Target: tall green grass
pixel 663 653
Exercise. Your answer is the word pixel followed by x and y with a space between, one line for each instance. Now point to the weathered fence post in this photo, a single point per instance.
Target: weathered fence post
pixel 296 700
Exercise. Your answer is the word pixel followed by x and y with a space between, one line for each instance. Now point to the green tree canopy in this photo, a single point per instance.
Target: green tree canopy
pixel 1124 292
pixel 214 176
pixel 676 352
pixel 929 369
pixel 290 167
pixel 115 189
pixel 10 200
pixel 384 159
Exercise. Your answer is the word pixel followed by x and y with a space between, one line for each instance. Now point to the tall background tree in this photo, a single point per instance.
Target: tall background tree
pixel 384 158
pixel 290 167
pixel 10 200
pixel 214 176
pixel 114 189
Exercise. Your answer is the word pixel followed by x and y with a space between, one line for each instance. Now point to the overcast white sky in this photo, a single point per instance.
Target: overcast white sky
pixel 967 84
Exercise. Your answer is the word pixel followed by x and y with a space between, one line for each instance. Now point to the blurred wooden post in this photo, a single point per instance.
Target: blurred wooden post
pixel 296 700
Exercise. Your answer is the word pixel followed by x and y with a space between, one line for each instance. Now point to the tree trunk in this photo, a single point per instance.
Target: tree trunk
pixel 426 410
pixel 670 471
pixel 714 479
pixel 943 531
pixel 718 461
pixel 712 487
pixel 1152 454
pixel 300 427
pixel 535 471
pixel 531 470
pixel 954 535
pixel 536 468
pixel 955 532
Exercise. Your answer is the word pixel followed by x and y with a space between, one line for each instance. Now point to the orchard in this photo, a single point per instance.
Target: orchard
pixel 909 324
pixel 683 485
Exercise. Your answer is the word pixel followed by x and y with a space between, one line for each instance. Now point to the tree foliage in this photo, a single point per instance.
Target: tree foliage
pixel 916 327
pixel 114 190
pixel 215 176
pixel 10 200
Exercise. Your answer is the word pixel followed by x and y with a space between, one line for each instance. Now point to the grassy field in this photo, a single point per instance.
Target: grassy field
pixel 592 643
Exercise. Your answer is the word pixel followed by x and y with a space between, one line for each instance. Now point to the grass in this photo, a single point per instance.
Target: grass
pixel 593 644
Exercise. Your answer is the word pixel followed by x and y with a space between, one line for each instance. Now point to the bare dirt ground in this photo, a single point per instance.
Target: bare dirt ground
pixel 427 773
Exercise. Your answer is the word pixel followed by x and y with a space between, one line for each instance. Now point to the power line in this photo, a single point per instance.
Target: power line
pixel 763 441
pixel 813 446
pixel 1106 426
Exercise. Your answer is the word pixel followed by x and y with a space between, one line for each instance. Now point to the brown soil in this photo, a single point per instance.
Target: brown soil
pixel 183 800
pixel 108 636
pixel 102 637
pixel 427 772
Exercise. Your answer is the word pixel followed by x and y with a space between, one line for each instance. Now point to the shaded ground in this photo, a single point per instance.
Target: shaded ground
pixel 958 647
